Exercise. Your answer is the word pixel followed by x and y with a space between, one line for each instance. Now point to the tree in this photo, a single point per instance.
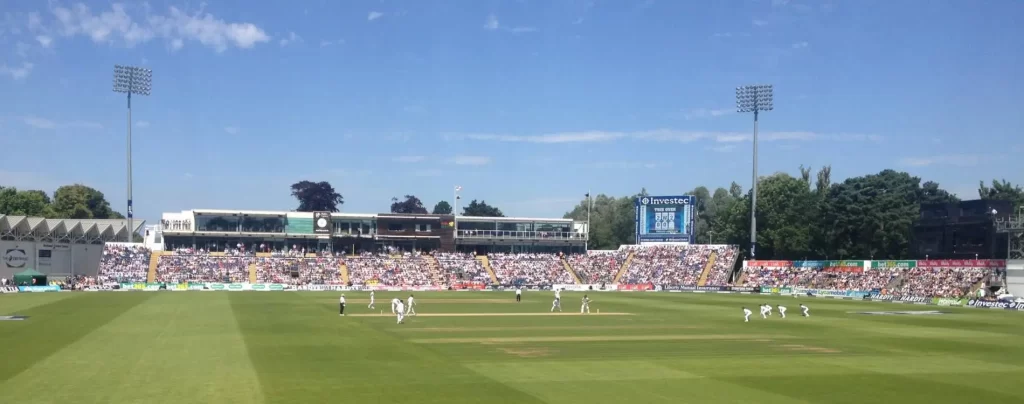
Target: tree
pixel 442 208
pixel 25 203
pixel 931 193
pixel 81 202
pixel 316 196
pixel 1002 191
pixel 482 209
pixel 411 205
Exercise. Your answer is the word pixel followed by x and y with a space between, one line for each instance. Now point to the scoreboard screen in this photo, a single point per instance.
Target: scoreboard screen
pixel 664 219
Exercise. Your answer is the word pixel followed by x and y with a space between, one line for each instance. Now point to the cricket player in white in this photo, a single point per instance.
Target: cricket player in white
pixel 764 312
pixel 371 300
pixel 394 304
pixel 768 309
pixel 586 305
pixel 519 294
pixel 341 306
pixel 411 310
pixel 558 301
pixel 805 310
pixel 746 315
pixel 400 311
pixel 782 311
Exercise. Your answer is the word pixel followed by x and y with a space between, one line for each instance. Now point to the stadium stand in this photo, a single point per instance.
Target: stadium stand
pixel 529 269
pixel 461 267
pixel 597 266
pixel 940 281
pixel 721 272
pixel 667 265
pixel 186 265
pixel 123 264
pixel 405 270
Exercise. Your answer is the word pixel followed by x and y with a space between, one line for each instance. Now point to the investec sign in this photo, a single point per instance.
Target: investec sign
pixel 664 218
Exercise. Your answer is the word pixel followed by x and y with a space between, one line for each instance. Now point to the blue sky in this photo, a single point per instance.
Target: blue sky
pixel 527 104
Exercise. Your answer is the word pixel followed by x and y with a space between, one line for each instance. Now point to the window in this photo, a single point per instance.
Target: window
pixel 395 227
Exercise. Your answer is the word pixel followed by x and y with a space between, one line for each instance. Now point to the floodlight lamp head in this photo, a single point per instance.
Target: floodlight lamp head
pixel 132 80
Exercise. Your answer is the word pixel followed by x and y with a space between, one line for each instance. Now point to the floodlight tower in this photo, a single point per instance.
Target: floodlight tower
pixel 131 80
pixel 755 98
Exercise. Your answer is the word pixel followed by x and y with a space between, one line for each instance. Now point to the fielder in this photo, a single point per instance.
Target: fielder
pixel 519 294
pixel 341 305
pixel 558 301
pixel 746 315
pixel 400 311
pixel 394 305
pixel 807 312
pixel 764 312
pixel 782 310
pixel 586 305
pixel 411 310
pixel 371 301
pixel 768 309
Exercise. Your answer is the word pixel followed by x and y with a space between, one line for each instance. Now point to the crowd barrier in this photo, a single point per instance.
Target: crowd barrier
pixel 835 294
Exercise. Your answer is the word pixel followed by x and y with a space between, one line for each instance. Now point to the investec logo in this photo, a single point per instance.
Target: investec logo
pixel 664 201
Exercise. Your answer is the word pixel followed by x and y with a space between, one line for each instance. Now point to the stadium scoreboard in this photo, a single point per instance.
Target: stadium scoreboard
pixel 664 219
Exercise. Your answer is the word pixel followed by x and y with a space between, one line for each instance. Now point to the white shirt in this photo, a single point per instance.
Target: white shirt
pixel 747 311
pixel 519 291
pixel 395 301
pixel 782 308
pixel 401 307
pixel 558 294
pixel 411 301
pixel 371 295
pixel 341 300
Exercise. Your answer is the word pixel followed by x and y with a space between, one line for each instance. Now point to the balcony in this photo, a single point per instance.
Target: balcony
pixel 520 235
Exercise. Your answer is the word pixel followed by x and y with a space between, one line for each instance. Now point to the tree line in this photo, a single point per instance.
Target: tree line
pixel 321 196
pixel 799 217
pixel 69 202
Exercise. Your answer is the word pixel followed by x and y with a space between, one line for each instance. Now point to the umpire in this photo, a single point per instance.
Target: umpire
pixel 341 305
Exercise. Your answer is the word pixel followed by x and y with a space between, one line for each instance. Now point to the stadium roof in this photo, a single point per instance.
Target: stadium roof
pixel 25 228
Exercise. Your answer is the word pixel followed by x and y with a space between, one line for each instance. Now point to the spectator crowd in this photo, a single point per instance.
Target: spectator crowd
pixel 123 263
pixel 658 265
pixel 529 269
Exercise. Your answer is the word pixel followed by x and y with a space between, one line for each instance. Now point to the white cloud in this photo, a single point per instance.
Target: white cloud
pixel 578 21
pixel 326 42
pixel 142 124
pixel 492 24
pixel 44 40
pixel 959 160
pixel 800 45
pixel 408 159
pixel 759 23
pixel 471 160
pixel 22 49
pixel 116 26
pixel 428 173
pixel 290 39
pixel 232 130
pixel 374 15
pixel 628 165
pixel 665 135
pixel 722 148
pixel 43 123
pixel 730 35
pixel 779 3
pixel 698 113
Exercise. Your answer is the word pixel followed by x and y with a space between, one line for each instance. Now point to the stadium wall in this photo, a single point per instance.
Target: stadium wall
pixel 49 258
pixel 1015 277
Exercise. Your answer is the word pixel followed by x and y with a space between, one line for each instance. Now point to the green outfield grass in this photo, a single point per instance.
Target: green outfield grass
pixel 292 347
